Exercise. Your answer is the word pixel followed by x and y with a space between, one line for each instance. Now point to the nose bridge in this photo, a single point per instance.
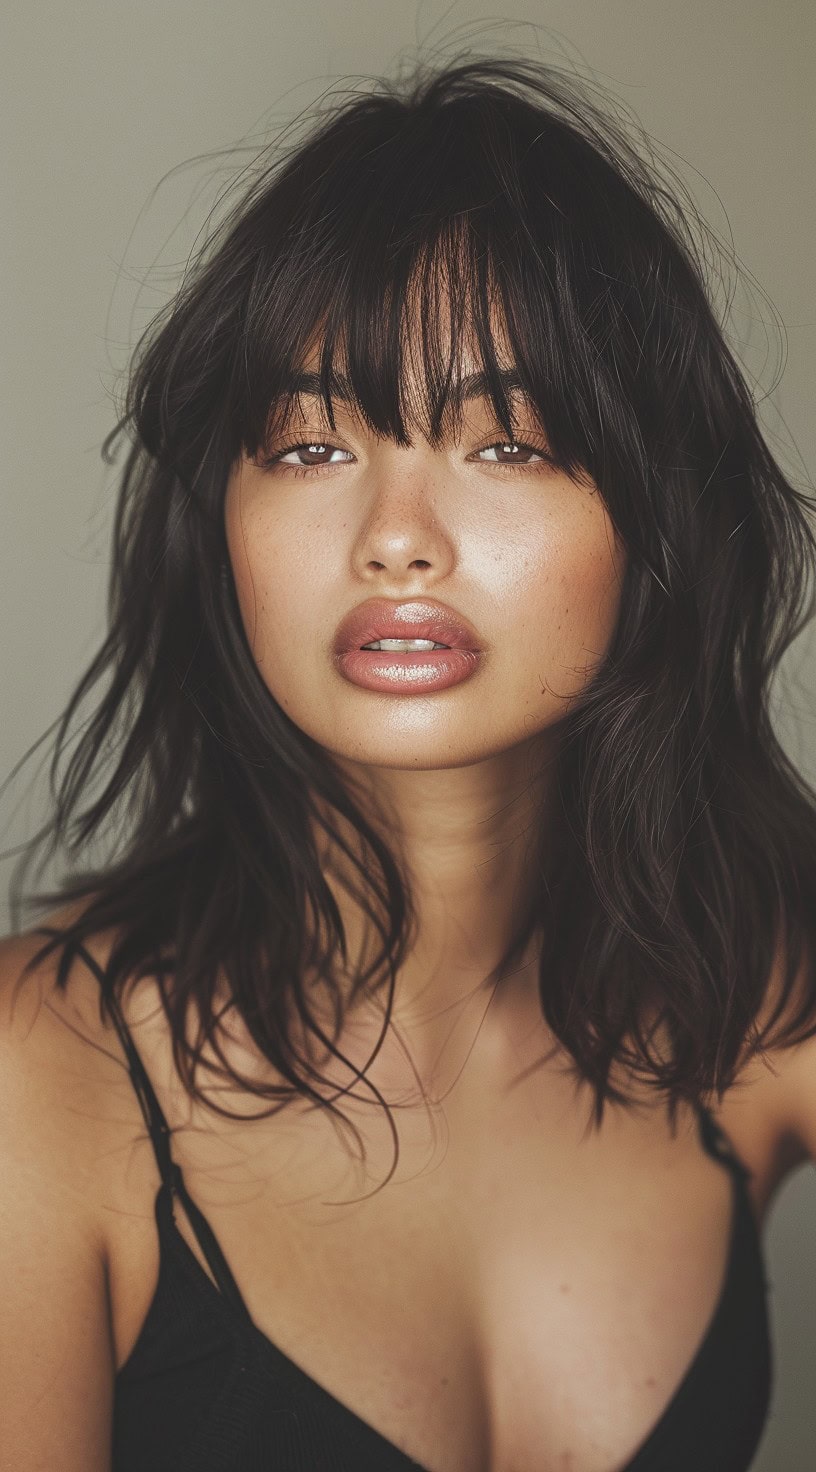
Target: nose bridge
pixel 406 480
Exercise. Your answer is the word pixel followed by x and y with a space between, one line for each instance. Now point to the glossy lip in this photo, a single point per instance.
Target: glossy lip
pixel 408 672
pixel 418 618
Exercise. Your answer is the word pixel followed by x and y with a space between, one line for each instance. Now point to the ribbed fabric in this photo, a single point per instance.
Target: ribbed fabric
pixel 204 1391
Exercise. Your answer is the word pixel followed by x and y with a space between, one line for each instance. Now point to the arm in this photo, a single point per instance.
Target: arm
pixel 56 1351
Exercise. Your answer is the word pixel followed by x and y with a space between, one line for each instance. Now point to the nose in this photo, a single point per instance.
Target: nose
pixel 401 531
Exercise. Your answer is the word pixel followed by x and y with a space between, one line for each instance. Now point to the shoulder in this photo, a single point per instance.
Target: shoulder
pixel 60 1069
pixel 770 1109
pixel 57 1135
pixel 32 1004
pixel 791 1066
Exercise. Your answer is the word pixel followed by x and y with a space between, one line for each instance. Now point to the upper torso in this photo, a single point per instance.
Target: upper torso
pixel 522 1292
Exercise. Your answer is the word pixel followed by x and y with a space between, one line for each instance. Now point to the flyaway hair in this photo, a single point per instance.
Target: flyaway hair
pixel 461 203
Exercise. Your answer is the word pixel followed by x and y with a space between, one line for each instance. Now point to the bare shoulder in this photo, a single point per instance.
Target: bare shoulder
pixel 58 1066
pixel 770 1111
pixel 792 1067
pixel 58 1134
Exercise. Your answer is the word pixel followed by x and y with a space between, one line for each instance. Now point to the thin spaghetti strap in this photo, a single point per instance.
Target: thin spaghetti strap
pixel 160 1134
pixel 717 1144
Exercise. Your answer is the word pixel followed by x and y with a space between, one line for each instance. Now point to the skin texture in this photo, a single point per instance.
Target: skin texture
pixel 528 557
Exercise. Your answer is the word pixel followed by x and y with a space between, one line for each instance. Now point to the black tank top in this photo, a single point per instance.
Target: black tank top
pixel 203 1390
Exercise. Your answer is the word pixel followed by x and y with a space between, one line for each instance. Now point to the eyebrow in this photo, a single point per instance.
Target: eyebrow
pixel 472 386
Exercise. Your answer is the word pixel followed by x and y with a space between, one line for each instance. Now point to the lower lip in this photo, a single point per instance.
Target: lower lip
pixel 413 672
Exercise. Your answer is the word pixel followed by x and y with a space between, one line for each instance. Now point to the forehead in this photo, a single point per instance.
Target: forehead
pixel 420 370
pixel 471 386
pixel 430 349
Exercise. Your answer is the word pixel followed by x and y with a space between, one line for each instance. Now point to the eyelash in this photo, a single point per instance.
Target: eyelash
pixel 306 470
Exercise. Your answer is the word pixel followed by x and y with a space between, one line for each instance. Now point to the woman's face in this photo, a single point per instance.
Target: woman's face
pixel 507 541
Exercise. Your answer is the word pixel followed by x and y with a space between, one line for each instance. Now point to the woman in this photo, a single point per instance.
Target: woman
pixel 408 1085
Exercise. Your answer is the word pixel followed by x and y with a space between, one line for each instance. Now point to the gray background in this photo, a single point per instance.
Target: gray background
pixel 101 100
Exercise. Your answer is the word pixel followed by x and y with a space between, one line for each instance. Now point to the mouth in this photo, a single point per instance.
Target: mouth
pixel 407 671
pixel 419 626
pixel 405 646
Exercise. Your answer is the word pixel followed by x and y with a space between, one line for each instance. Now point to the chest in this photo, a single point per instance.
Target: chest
pixel 521 1293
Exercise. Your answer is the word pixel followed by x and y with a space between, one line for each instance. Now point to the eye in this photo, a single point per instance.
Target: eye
pixel 314 448
pixel 516 453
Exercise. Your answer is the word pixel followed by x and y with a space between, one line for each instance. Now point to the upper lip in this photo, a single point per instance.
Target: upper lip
pixel 417 618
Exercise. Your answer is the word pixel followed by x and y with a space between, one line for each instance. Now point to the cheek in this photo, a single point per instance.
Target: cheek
pixel 590 582
pixel 265 599
pixel 277 576
pixel 250 548
pixel 574 600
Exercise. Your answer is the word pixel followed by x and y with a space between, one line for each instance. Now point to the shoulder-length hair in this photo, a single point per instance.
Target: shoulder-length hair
pixel 688 840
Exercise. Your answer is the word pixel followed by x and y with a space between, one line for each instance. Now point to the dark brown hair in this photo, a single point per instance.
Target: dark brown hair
pixel 687 846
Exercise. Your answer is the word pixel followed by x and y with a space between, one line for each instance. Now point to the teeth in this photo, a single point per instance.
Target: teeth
pixel 401 645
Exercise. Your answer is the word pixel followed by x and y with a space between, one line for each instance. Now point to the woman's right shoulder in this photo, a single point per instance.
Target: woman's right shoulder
pixel 31 1003
pixel 58 1061
pixel 58 1130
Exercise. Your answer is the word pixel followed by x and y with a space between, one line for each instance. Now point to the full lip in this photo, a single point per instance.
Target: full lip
pixel 417 618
